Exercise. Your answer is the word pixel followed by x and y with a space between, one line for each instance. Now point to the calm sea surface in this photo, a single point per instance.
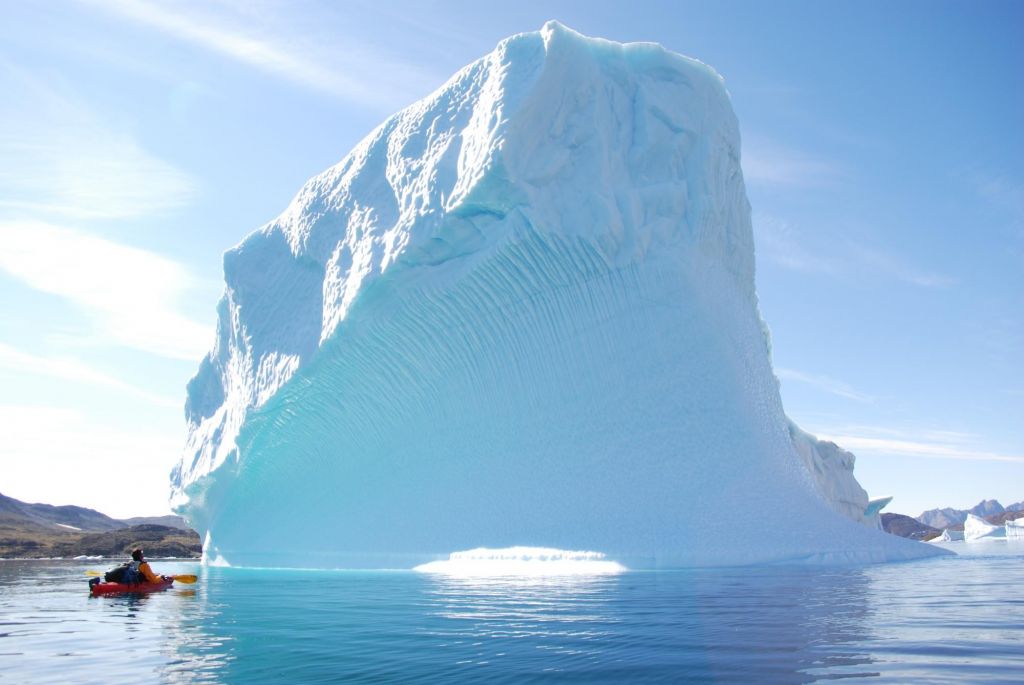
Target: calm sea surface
pixel 957 620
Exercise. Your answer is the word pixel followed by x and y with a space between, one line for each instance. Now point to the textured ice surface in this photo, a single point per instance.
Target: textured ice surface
pixel 520 312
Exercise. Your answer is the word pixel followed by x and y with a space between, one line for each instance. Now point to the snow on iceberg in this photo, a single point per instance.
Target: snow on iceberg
pixel 520 312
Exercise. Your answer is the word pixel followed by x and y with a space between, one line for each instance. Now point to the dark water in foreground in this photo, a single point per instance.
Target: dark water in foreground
pixel 941 620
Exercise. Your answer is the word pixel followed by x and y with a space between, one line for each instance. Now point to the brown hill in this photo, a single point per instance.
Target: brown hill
pixel 42 530
pixel 908 527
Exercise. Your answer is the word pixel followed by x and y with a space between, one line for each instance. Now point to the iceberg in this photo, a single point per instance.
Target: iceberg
pixel 1015 529
pixel 520 314
pixel 977 528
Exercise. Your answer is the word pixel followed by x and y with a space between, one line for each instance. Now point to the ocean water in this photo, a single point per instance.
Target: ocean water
pixel 957 619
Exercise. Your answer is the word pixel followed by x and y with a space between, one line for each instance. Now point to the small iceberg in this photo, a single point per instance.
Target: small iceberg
pixel 977 528
pixel 1015 529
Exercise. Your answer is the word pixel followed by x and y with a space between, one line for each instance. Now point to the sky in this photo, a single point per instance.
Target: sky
pixel 882 148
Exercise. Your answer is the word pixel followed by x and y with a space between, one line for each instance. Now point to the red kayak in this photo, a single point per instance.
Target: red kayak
pixel 115 588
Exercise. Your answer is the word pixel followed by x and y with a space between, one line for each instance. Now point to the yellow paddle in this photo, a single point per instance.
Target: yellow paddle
pixel 187 578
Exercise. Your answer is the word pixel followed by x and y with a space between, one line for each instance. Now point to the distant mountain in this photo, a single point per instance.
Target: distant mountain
pixel 44 530
pixel 942 518
pixel 171 521
pixel 49 516
pixel 948 518
pixel 72 517
pixel 907 527
pixel 986 508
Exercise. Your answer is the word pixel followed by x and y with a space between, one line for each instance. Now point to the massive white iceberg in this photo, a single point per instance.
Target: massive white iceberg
pixel 520 312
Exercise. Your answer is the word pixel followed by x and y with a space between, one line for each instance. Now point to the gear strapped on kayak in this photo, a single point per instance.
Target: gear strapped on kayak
pixel 132 576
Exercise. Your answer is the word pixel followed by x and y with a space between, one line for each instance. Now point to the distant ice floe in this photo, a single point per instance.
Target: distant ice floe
pixel 523 561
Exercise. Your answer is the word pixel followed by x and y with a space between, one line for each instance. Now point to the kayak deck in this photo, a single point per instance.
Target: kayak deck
pixel 115 588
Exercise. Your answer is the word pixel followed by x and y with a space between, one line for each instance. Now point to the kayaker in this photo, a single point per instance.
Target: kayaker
pixel 142 567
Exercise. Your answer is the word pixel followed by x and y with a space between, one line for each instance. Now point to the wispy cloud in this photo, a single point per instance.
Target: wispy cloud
pixel 776 164
pixel 273 40
pixel 829 385
pixel 62 159
pixel 1002 206
pixel 131 295
pixel 1002 192
pixel 923 443
pixel 890 265
pixel 781 243
pixel 74 370
pixel 918 448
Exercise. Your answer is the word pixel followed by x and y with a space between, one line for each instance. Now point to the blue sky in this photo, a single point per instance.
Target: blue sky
pixel 882 154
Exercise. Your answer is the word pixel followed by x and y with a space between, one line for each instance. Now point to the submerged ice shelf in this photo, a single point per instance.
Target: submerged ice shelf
pixel 520 312
pixel 523 561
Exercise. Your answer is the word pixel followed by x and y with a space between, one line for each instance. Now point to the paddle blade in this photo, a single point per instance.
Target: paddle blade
pixel 94 573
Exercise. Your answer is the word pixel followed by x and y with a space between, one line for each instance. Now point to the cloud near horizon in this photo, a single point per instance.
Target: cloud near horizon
pixel 42 441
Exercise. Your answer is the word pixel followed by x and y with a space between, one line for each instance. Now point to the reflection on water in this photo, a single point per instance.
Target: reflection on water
pixel 956 619
pixel 702 625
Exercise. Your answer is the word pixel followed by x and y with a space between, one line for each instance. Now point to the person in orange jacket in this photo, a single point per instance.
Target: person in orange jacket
pixel 141 566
